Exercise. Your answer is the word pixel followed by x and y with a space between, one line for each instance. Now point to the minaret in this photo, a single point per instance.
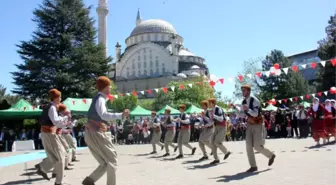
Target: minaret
pixel 138 19
pixel 102 11
pixel 117 51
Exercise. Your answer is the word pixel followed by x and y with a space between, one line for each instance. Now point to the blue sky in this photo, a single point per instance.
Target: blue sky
pixel 225 32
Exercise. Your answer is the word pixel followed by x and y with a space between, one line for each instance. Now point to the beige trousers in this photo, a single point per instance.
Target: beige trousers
pixel 156 139
pixel 169 138
pixel 68 138
pixel 55 155
pixel 205 139
pixel 217 140
pixel 255 139
pixel 102 149
pixel 183 139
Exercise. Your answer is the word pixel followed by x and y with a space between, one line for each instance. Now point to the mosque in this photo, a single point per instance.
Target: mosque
pixel 154 55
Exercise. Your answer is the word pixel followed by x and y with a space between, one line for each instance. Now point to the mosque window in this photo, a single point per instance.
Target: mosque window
pixel 157 70
pixel 145 64
pixel 151 72
pixel 138 57
pixel 151 64
pixel 163 69
pixel 139 73
pixel 139 65
pixel 144 57
pixel 157 63
pixel 133 73
pixel 145 72
pixel 162 37
pixel 150 56
pixel 128 72
pixel 142 38
pixel 136 86
pixel 133 64
pixel 144 50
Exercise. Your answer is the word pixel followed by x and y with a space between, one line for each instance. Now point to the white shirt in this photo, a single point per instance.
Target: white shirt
pixel 300 114
pixel 102 111
pixel 59 121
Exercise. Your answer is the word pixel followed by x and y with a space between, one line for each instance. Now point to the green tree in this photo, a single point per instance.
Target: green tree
pixel 146 103
pixel 222 100
pixel 250 67
pixel 283 85
pixel 326 51
pixel 7 100
pixel 121 102
pixel 188 96
pixel 62 53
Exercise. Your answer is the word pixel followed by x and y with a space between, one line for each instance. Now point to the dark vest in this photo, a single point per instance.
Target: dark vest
pixel 206 115
pixel 44 119
pixel 92 113
pixel 251 105
pixel 183 116
pixel 333 111
pixel 217 113
pixel 318 114
pixel 169 120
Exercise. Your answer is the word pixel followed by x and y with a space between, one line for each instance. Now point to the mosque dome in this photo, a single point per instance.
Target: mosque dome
pixel 153 26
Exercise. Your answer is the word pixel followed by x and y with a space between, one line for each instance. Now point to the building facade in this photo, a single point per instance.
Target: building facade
pixel 307 58
pixel 154 55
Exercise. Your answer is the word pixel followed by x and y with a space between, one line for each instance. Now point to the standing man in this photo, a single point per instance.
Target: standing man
pixel 99 144
pixel 207 130
pixel 184 134
pixel 170 132
pixel 218 117
pixel 302 117
pixel 255 133
pixel 52 144
pixel 155 124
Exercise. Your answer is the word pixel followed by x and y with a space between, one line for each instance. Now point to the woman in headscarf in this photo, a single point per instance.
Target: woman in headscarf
pixel 317 112
pixel 329 120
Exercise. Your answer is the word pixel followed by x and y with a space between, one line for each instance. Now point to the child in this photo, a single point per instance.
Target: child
pixel 289 127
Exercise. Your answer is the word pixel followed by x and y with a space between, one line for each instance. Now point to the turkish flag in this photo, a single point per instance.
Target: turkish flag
pixel 135 93
pixel 319 93
pixel 84 100
pixel 307 96
pixel 241 78
pixel 295 68
pixel 149 91
pixel 333 61
pixel 221 80
pixel 212 83
pixel 165 89
pixel 313 65
pixel 181 87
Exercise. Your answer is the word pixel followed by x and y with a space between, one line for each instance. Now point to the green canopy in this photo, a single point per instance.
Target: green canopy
pixel 173 111
pixel 78 105
pixel 21 110
pixel 193 109
pixel 270 107
pixel 139 111
pixel 305 104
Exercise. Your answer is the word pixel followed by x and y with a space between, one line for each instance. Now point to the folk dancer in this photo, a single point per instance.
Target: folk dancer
pixel 100 144
pixel 207 130
pixel 184 134
pixel 255 131
pixel 170 133
pixel 329 120
pixel 52 144
pixel 156 125
pixel 317 112
pixel 218 118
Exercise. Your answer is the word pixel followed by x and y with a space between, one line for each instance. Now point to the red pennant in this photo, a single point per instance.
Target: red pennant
pixel 307 96
pixel 181 87
pixel 24 108
pixel 276 66
pixel 296 98
pixel 258 74
pixel 149 91
pixel 313 65
pixel 284 100
pixel 110 97
pixel 221 80
pixel 121 94
pixel 84 100
pixel 295 68
pixel 165 89
pixel 73 102
pixel 333 61
pixel 212 83
pixel 135 93
pixel 241 78
pixel 333 90
pixel 319 94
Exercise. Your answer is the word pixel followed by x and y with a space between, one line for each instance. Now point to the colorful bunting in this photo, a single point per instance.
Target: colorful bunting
pixel 295 68
pixel 84 100
pixel 313 65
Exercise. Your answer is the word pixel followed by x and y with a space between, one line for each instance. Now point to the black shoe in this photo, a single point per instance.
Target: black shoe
pixel 193 151
pixel 88 181
pixel 162 147
pixel 40 172
pixel 36 166
pixel 165 155
pixel 204 158
pixel 215 162
pixel 175 149
pixel 67 168
pixel 211 153
pixel 252 169
pixel 271 160
pixel 71 164
pixel 154 152
pixel 179 156
pixel 53 176
pixel 227 155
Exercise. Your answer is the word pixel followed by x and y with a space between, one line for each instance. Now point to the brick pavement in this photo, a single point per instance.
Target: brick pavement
pixel 296 164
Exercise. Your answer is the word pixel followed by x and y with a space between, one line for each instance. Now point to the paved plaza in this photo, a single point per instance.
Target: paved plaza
pixel 297 163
